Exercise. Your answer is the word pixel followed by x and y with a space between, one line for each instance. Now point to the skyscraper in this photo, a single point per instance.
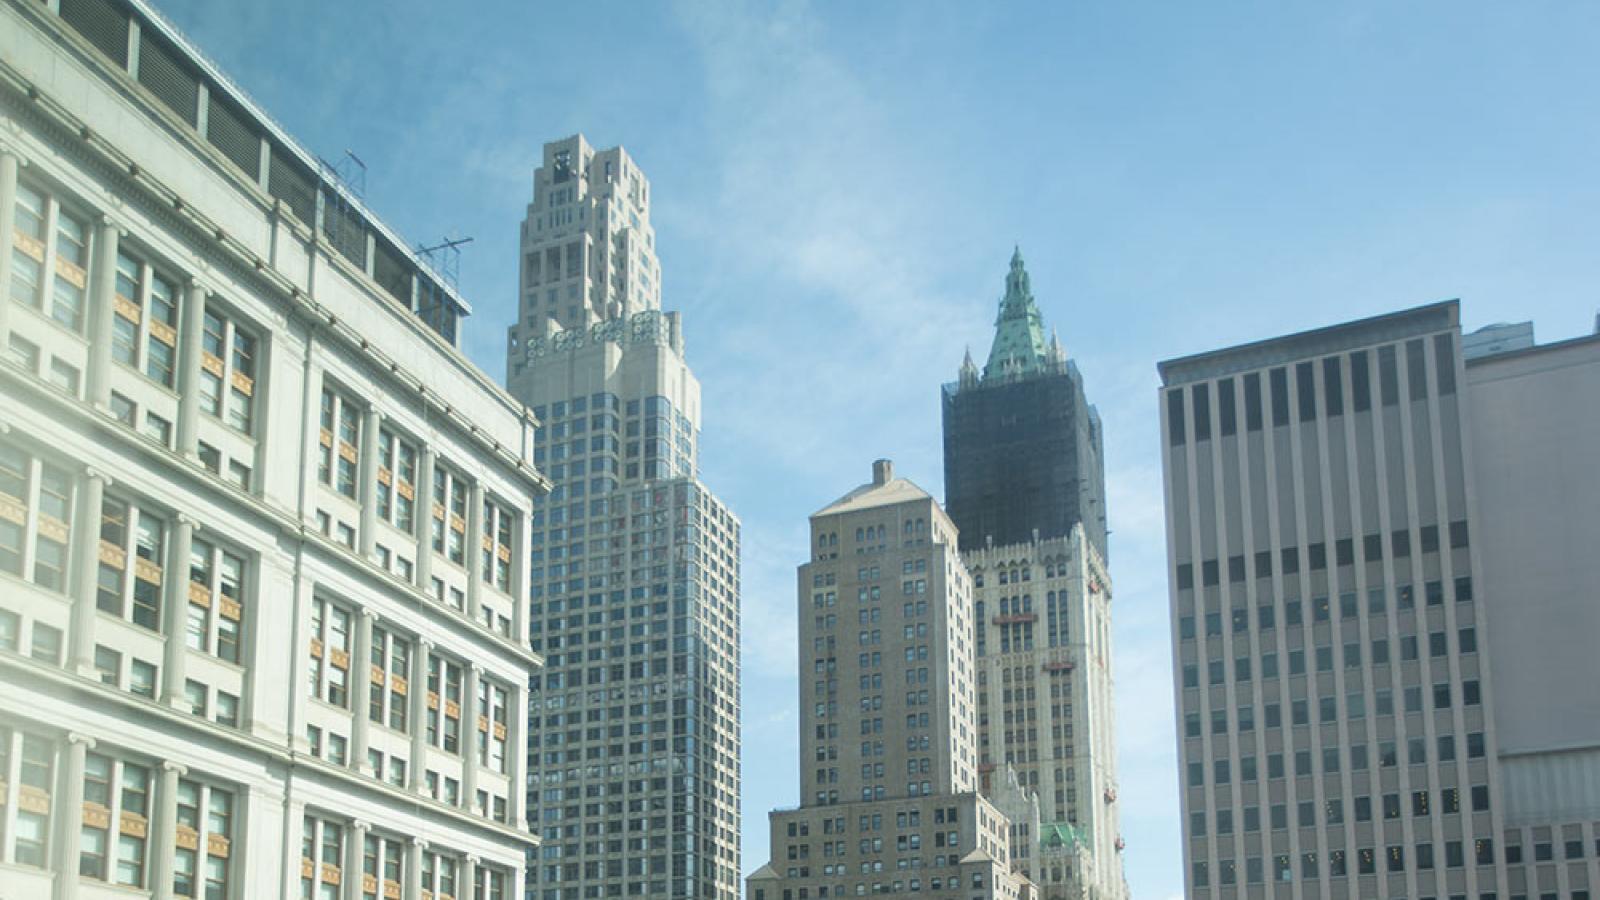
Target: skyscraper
pixel 888 718
pixel 1025 482
pixel 1022 445
pixel 262 525
pixel 1382 573
pixel 634 757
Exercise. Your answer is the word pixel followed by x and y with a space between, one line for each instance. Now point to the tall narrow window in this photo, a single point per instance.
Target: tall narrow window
pixel 330 652
pixel 340 443
pixel 27 248
pixel 228 370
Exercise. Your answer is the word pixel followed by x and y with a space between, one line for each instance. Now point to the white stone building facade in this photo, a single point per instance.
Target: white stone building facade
pixel 263 528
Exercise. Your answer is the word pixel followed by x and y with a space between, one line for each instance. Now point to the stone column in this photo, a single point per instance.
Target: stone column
pixel 192 324
pixel 367 489
pixel 468 887
pixel 164 830
pixel 517 754
pixel 423 521
pixel 354 849
pixel 175 614
pixel 474 554
pixel 102 290
pixel 417 696
pixel 469 735
pixel 9 164
pixel 12 773
pixel 67 816
pixel 519 579
pixel 86 568
pixel 413 885
pixel 360 690
pixel 519 881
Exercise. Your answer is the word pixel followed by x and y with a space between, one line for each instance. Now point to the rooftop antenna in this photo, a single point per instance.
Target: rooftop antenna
pixel 445 258
pixel 434 305
pixel 343 182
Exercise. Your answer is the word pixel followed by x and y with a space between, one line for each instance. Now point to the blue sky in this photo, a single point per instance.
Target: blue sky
pixel 837 188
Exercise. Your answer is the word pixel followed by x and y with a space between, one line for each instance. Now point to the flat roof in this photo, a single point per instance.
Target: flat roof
pixel 281 137
pixel 1316 342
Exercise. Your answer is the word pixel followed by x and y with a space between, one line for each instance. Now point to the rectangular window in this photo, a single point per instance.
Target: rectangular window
pixel 340 443
pixel 330 652
pixel 228 370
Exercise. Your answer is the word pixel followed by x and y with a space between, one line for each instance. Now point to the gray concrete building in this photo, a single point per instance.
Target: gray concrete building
pixel 263 527
pixel 888 714
pixel 1381 570
pixel 634 762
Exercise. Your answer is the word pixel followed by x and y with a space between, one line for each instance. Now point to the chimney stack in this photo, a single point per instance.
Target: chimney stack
pixel 882 471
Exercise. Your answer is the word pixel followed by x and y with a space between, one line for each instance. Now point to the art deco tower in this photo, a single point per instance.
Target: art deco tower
pixel 634 761
pixel 1026 487
pixel 888 719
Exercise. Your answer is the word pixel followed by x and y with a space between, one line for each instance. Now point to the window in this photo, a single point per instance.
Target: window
pixel 65 277
pixel 330 652
pixel 497 528
pixel 228 361
pixel 49 518
pixel 438 873
pixel 492 710
pixel 216 600
pixel 450 494
pixel 146 318
pixel 391 667
pixel 382 861
pixel 444 704
pixel 322 857
pixel 397 480
pixel 340 443
pixel 132 552
pixel 65 376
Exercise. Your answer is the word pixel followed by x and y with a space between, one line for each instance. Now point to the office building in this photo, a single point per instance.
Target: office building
pixel 634 758
pixel 1025 478
pixel 888 714
pixel 1380 595
pixel 262 526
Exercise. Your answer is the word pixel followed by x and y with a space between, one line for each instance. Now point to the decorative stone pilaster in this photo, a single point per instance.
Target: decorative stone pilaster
pixel 102 308
pixel 474 553
pixel 423 520
pixel 67 820
pixel 9 164
pixel 367 490
pixel 360 688
pixel 86 567
pixel 164 830
pixel 193 322
pixel 417 696
pixel 354 850
pixel 413 886
pixel 175 614
pixel 470 736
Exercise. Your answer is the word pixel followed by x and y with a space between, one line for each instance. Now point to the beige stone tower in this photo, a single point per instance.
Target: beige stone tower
pixel 888 724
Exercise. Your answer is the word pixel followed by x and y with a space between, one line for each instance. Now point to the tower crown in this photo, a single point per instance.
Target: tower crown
pixel 1019 344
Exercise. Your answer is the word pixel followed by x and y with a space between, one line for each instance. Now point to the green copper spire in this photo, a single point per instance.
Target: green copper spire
pixel 1019 344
